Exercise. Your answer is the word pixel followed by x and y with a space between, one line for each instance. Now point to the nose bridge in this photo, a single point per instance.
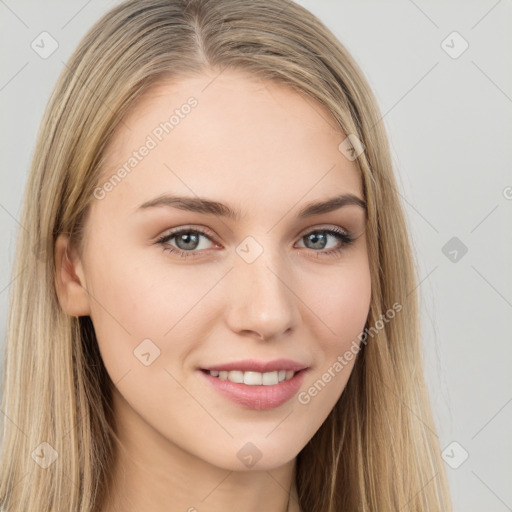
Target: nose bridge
pixel 260 295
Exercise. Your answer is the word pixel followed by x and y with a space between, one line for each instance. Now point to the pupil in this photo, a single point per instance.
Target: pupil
pixel 318 236
pixel 191 239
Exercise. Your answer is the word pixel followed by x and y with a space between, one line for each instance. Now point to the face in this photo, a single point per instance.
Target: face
pixel 176 287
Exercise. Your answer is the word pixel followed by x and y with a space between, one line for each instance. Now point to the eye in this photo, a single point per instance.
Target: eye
pixel 188 241
pixel 319 239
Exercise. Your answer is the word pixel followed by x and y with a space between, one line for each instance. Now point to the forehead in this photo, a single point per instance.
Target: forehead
pixel 228 135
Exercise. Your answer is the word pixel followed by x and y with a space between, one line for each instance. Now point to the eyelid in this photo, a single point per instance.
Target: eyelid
pixel 203 229
pixel 324 227
pixel 195 227
pixel 345 237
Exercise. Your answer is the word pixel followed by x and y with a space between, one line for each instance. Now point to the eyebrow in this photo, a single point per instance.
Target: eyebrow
pixel 207 206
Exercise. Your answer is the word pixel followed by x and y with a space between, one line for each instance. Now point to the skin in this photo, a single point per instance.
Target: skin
pixel 265 149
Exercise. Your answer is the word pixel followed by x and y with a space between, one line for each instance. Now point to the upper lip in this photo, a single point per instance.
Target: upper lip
pixel 252 365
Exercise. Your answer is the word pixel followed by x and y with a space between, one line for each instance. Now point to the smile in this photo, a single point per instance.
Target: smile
pixel 254 378
pixel 255 390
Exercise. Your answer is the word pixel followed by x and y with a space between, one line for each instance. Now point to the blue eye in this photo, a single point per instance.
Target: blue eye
pixel 187 237
pixel 321 236
pixel 189 240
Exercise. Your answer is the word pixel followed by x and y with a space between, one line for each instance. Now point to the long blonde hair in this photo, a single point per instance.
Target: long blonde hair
pixel 378 449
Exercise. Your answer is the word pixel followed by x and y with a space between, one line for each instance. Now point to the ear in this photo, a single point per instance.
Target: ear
pixel 70 279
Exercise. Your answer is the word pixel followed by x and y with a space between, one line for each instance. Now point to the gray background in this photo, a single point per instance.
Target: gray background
pixel 450 126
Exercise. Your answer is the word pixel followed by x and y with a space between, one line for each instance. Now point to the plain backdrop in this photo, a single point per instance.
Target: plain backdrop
pixel 442 76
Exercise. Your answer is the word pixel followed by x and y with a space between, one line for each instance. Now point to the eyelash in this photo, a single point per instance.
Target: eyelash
pixel 343 237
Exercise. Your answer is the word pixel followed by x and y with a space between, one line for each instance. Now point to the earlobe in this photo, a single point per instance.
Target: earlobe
pixel 70 279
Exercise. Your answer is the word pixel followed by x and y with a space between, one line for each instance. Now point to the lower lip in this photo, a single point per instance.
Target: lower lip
pixel 257 397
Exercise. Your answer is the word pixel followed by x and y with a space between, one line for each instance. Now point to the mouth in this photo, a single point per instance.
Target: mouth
pixel 251 378
pixel 256 390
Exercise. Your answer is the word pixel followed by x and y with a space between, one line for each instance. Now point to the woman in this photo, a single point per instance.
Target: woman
pixel 218 299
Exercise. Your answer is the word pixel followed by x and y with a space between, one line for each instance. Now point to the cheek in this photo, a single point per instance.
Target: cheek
pixel 143 292
pixel 137 300
pixel 341 308
pixel 341 304
pixel 351 300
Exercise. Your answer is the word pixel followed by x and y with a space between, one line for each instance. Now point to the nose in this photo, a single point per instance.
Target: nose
pixel 261 298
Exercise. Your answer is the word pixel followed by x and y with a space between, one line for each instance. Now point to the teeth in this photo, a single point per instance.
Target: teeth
pixel 254 378
pixel 235 376
pixel 270 378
